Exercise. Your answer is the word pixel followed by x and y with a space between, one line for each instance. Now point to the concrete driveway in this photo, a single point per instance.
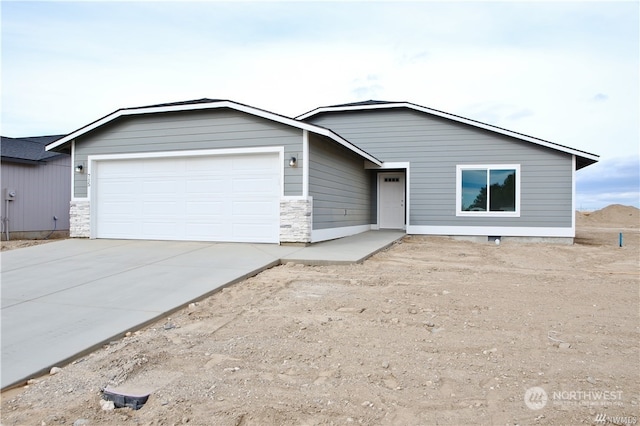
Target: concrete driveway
pixel 62 299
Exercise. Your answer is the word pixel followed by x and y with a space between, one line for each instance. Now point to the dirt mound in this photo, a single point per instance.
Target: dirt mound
pixel 625 216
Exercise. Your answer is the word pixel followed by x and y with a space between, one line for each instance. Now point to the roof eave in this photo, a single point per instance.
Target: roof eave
pixel 216 104
pixel 21 160
pixel 582 161
pixel 593 157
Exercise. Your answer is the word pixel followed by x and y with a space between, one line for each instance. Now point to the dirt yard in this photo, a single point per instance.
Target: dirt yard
pixel 431 331
pixel 16 244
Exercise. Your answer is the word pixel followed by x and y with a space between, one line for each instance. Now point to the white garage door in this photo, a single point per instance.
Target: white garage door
pixel 208 198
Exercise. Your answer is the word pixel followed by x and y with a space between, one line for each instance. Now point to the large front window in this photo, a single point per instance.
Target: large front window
pixel 488 190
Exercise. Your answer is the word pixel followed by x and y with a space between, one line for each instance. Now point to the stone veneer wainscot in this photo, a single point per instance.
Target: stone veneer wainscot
pixel 295 220
pixel 79 219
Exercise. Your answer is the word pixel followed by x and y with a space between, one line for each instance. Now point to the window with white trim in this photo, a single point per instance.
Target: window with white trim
pixel 488 190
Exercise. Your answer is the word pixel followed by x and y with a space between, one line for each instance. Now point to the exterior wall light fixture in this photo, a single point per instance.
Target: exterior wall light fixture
pixel 293 162
pixel 79 168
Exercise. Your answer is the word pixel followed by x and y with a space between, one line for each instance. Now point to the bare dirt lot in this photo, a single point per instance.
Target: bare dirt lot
pixel 430 331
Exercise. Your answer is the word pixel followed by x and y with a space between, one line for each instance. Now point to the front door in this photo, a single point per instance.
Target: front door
pixel 391 211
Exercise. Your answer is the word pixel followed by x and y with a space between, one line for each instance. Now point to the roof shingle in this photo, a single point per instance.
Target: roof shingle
pixel 28 149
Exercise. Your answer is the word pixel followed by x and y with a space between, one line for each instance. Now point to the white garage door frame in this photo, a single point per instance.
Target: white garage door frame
pixel 94 160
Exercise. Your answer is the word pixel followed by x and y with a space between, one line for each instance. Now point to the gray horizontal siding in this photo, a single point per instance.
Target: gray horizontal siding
pixel 42 191
pixel 434 146
pixel 339 184
pixel 193 130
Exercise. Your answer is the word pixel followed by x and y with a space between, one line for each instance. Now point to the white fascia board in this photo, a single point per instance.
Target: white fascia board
pixel 305 163
pixel 388 165
pixel 219 104
pixel 454 118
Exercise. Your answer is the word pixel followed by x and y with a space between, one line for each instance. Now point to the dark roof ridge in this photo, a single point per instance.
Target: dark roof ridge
pixel 364 103
pixel 188 102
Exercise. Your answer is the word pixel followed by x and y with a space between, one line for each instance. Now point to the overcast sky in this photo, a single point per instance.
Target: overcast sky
pixel 567 72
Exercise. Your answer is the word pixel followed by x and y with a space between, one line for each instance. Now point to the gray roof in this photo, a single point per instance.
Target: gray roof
pixel 28 149
pixel 189 102
pixel 363 103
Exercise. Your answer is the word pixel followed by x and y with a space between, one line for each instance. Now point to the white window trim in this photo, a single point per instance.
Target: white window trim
pixel 461 167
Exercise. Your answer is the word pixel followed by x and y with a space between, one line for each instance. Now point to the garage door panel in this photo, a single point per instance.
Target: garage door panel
pixel 205 231
pixel 253 208
pixel 203 164
pixel 252 163
pixel 189 198
pixel 121 228
pixel 159 166
pixel 160 208
pixel 121 170
pixel 119 186
pixel 247 233
pixel 161 230
pixel 205 187
pixel 204 208
pixel 161 186
pixel 254 186
pixel 122 207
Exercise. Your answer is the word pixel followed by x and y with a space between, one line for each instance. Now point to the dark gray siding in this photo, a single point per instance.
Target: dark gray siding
pixel 42 191
pixel 192 130
pixel 339 184
pixel 434 146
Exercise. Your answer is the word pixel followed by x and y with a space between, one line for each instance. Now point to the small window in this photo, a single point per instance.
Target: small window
pixel 392 179
pixel 488 190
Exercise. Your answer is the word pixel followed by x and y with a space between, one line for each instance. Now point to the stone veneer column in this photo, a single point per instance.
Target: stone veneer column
pixel 295 220
pixel 79 219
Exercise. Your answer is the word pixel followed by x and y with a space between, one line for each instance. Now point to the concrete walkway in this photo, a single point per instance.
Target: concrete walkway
pixel 62 299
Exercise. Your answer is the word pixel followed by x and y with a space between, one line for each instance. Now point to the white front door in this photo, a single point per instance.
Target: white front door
pixel 391 191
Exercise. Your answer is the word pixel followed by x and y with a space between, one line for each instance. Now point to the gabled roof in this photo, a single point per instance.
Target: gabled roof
pixel 203 104
pixel 27 150
pixel 583 158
